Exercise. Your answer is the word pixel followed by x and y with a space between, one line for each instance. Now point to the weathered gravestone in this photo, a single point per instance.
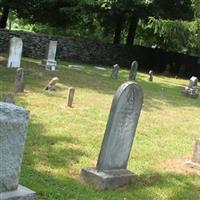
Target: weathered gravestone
pixel 52 84
pixel 115 71
pixel 151 75
pixel 50 63
pixel 19 81
pixel 195 161
pixel 133 72
pixel 110 171
pixel 15 52
pixel 192 90
pixel 13 131
pixel 70 96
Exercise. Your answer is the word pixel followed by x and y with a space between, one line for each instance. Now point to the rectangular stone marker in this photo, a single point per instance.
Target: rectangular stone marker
pixel 110 171
pixel 15 52
pixel 50 63
pixel 115 71
pixel 70 96
pixel 195 161
pixel 13 131
pixel 19 80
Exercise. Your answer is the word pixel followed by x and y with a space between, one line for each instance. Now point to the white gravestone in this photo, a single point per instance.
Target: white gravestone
pixel 13 131
pixel 110 171
pixel 50 63
pixel 15 52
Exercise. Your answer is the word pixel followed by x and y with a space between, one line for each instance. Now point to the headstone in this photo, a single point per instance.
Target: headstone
pixel 110 171
pixel 52 84
pixel 115 71
pixel 15 52
pixel 167 70
pixel 195 161
pixel 151 75
pixel 50 63
pixel 100 68
pixel 192 90
pixel 70 96
pixel 13 131
pixel 78 67
pixel 19 81
pixel 133 72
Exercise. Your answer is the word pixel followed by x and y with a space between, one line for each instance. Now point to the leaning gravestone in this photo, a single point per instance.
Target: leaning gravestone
pixel 52 84
pixel 13 131
pixel 110 171
pixel 133 72
pixel 15 52
pixel 19 81
pixel 50 63
pixel 115 71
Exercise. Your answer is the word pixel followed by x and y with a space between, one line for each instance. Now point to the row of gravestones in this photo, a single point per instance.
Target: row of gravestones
pixel 15 54
pixel 110 171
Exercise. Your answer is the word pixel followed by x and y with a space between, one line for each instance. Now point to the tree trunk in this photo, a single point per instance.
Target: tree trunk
pixel 132 29
pixel 4 17
pixel 118 29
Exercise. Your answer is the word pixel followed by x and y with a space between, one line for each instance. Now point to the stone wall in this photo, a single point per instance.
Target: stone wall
pixel 92 52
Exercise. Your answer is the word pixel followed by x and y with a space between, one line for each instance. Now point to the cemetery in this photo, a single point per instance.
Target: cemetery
pixel 86 119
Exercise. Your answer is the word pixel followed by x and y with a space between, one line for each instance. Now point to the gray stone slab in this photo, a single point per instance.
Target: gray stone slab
pixel 13 131
pixel 133 71
pixel 22 193
pixel 100 68
pixel 107 179
pixel 78 67
pixel 121 127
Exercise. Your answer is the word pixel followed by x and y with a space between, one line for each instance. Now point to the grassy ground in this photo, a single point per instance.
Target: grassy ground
pixel 63 140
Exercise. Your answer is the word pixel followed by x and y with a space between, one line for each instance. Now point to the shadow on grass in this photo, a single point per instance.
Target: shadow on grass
pixel 165 186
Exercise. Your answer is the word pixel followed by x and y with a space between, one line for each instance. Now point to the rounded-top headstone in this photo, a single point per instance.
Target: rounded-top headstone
pixel 121 127
pixel 13 130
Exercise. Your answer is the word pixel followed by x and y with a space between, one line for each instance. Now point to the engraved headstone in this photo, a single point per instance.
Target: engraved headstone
pixel 70 97
pixel 151 75
pixel 13 131
pixel 19 81
pixel 115 71
pixel 133 72
pixel 111 169
pixel 50 62
pixel 52 84
pixel 192 90
pixel 15 52
pixel 195 160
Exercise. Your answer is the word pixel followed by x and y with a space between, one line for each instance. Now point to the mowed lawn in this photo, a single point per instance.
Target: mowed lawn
pixel 61 141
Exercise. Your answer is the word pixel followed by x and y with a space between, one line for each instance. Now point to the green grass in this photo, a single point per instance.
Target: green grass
pixel 61 141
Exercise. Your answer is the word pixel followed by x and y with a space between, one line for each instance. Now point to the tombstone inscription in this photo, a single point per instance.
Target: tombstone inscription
pixel 110 171
pixel 15 52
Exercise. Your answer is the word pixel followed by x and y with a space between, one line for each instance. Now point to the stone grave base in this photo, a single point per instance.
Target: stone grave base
pixel 107 179
pixel 193 164
pixel 49 64
pixel 21 193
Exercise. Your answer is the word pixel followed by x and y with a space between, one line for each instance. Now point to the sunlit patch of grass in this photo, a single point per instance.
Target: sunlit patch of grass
pixel 63 140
